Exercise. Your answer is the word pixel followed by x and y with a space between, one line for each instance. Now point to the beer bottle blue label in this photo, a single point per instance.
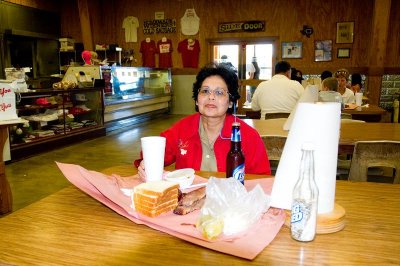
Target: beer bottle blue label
pixel 238 173
pixel 235 136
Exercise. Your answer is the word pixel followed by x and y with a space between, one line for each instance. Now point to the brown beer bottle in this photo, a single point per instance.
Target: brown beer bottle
pixel 235 157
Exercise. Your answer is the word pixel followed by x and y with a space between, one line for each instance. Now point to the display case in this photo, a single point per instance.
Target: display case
pixel 138 82
pixel 137 91
pixel 110 53
pixel 56 118
pixel 66 59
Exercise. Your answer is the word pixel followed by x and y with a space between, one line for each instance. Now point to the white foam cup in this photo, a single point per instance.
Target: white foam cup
pixel 359 97
pixel 153 149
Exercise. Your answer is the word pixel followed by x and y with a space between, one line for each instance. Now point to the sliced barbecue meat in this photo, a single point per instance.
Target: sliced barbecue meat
pixel 182 210
pixel 191 201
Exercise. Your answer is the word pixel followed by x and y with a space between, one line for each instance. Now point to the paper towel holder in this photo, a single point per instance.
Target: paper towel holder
pixel 327 223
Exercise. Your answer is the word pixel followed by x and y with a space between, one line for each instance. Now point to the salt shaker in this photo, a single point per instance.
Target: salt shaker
pixel 305 198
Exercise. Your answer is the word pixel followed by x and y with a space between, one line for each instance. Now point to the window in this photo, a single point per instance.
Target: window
pixel 239 54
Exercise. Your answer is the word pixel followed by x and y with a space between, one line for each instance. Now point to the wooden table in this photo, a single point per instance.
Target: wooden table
pixel 71 228
pixel 350 133
pixel 372 113
pixel 5 190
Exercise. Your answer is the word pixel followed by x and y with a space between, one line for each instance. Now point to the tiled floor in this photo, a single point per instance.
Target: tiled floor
pixel 34 178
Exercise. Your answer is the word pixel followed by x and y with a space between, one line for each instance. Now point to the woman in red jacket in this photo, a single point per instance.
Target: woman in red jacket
pixel 201 141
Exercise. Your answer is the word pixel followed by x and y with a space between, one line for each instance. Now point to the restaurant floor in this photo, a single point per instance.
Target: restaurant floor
pixel 36 177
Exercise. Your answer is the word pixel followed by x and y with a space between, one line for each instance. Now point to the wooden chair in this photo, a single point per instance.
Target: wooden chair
pixel 276 115
pixel 274 146
pixel 381 154
pixel 346 120
pixel 346 116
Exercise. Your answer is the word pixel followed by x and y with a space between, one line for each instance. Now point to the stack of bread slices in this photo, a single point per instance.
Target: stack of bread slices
pixel 155 197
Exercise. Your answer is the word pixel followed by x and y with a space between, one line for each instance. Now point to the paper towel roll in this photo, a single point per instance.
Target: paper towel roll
pixel 310 95
pixel 318 123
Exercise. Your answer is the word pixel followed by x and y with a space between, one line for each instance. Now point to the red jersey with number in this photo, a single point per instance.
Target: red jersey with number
pixel 164 50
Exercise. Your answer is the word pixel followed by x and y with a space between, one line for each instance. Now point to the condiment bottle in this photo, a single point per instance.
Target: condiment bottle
pixel 235 158
pixel 305 198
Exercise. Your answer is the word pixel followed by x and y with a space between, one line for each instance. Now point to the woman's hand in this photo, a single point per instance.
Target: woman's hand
pixel 141 171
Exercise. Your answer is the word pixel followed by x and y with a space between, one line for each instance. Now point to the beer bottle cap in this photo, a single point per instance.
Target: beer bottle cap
pixel 236 124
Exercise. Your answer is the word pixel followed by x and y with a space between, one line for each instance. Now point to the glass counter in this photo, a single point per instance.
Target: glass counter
pixel 137 83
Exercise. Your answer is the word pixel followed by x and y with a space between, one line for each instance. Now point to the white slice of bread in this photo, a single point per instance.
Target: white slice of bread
pixel 154 198
pixel 172 203
pixel 154 202
pixel 155 213
pixel 156 188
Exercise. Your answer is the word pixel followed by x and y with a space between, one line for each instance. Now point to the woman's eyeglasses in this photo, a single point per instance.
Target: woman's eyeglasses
pixel 217 92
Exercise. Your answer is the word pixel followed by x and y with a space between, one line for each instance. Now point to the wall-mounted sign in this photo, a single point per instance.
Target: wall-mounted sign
pixel 159 15
pixel 159 26
pixel 251 26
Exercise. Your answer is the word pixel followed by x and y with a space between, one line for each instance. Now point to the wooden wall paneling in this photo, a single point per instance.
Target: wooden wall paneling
pixel 85 24
pixel 70 22
pixel 393 41
pixel 377 52
pixel 284 19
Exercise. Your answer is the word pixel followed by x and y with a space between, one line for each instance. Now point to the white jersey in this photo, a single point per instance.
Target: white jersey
pixel 130 24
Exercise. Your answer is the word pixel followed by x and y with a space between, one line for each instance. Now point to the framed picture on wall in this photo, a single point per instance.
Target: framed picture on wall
pixel 344 32
pixel 292 49
pixel 323 50
pixel 343 53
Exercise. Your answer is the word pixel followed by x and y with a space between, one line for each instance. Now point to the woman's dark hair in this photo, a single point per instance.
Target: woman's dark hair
pixel 356 79
pixel 326 74
pixel 293 74
pixel 229 76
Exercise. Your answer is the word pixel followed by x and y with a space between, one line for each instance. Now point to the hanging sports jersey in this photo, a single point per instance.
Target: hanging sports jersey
pixel 190 50
pixel 164 49
pixel 148 50
pixel 130 24
pixel 190 22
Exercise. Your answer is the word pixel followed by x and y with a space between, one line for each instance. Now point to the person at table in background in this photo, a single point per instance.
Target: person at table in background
pixel 201 141
pixel 279 94
pixel 356 83
pixel 293 73
pixel 297 75
pixel 328 93
pixel 342 76
pixel 326 74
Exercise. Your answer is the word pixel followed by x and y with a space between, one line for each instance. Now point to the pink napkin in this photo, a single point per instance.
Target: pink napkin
pixel 106 189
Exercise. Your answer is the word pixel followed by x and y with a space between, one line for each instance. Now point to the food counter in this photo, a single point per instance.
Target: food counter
pixel 135 92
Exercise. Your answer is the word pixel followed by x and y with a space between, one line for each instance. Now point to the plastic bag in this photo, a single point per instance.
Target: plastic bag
pixel 229 208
